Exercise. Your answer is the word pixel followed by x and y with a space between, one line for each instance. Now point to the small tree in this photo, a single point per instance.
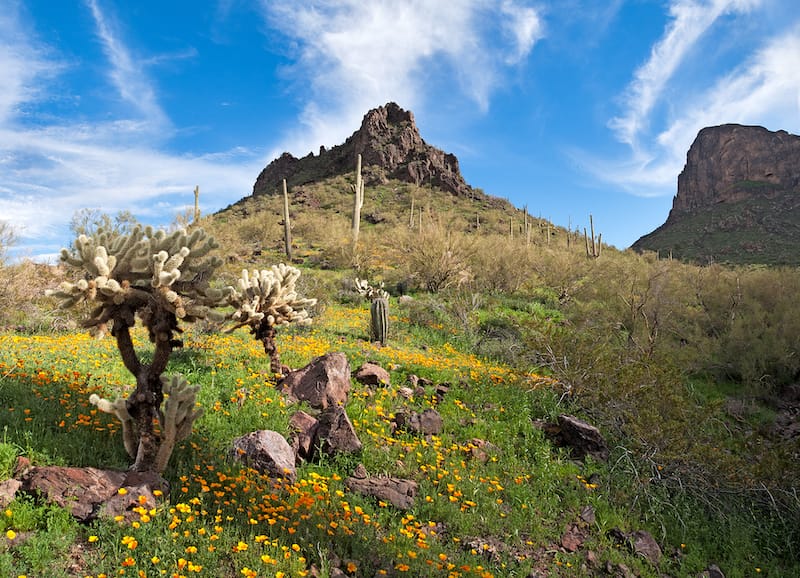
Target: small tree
pixel 7 239
pixel 266 299
pixel 162 279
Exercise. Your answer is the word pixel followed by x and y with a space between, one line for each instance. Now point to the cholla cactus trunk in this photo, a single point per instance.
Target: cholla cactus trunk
pixel 144 403
pixel 266 334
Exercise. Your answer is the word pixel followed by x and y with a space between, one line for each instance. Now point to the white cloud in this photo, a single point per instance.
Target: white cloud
pixel 690 20
pixel 21 63
pixel 51 167
pixel 525 27
pixel 764 90
pixel 356 55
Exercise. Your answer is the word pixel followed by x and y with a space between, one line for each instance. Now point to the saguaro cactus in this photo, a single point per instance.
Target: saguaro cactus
pixel 267 299
pixel 163 279
pixel 196 204
pixel 593 244
pixel 358 190
pixel 379 320
pixel 287 224
pixel 378 310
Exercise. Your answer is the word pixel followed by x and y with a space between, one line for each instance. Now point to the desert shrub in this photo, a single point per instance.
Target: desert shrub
pixel 759 345
pixel 433 256
pixel 501 265
pixel 23 305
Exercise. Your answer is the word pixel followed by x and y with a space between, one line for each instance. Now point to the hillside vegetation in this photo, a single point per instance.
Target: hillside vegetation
pixel 689 372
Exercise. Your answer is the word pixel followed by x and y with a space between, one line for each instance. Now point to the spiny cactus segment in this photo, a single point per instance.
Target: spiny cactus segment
pixel 119 408
pixel 180 413
pixel 363 287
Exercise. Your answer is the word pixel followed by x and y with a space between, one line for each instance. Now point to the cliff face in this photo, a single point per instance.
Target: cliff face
pixel 731 163
pixel 738 199
pixel 391 148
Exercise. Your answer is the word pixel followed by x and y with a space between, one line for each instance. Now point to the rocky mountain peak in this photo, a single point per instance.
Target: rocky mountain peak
pixel 738 199
pixel 732 162
pixel 390 147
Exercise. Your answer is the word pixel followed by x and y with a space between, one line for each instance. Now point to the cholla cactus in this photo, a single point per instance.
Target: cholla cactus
pixel 161 278
pixel 267 299
pixel 362 287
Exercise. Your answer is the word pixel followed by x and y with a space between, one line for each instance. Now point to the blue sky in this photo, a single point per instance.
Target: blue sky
pixel 571 107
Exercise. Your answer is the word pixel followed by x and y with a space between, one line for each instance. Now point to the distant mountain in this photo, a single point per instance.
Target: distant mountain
pixel 391 148
pixel 738 200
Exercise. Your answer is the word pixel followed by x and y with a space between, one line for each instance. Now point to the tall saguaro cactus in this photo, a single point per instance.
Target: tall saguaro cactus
pixel 267 299
pixel 287 225
pixel 162 279
pixel 196 204
pixel 358 190
pixel 593 244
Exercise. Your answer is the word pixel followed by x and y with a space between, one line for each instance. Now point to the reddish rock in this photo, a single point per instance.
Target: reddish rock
pixel 391 148
pixel 90 492
pixel 266 451
pixel 735 199
pixel 644 545
pixel 579 437
pixel 372 375
pixel 396 491
pixel 322 383
pixel 724 159
pixel 335 433
pixel 8 491
pixel 572 539
pixel 429 422
pixel 303 430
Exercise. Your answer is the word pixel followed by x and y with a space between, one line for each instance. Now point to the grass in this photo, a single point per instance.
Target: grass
pixel 221 520
pixel 499 511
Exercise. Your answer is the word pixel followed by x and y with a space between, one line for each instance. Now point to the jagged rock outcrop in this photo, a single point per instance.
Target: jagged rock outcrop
pixel 738 199
pixel 390 147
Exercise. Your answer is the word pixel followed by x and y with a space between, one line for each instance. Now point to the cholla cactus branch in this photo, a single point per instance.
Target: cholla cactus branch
pixel 266 299
pixel 180 413
pixel 119 408
pixel 363 287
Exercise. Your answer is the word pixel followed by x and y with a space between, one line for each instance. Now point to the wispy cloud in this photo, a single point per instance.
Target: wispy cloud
pixel 690 20
pixel 129 79
pixel 21 63
pixel 50 167
pixel 355 55
pixel 762 89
